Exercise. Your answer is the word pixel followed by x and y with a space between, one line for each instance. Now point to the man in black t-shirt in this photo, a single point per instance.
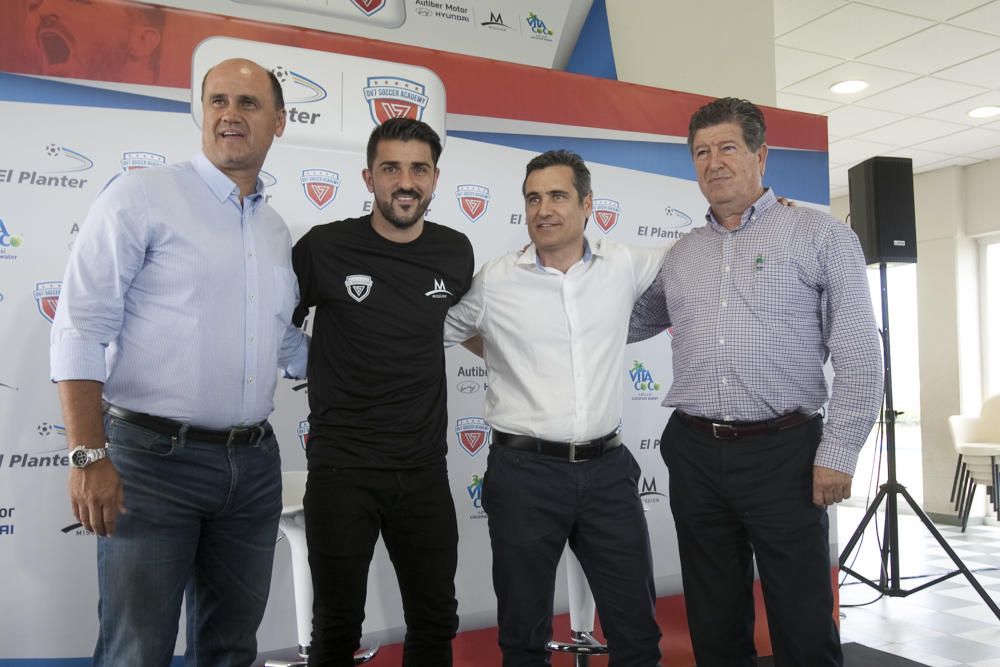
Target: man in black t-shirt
pixel 382 285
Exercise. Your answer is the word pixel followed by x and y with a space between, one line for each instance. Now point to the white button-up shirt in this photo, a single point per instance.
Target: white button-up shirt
pixel 555 342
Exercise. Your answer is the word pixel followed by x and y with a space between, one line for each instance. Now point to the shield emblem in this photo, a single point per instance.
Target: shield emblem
pixel 473 433
pixel 369 7
pixel 473 200
pixel 394 97
pixel 320 186
pixel 303 432
pixel 132 160
pixel 606 214
pixel 358 287
pixel 47 298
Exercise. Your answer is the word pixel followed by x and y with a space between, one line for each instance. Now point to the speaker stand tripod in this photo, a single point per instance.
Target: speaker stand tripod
pixel 889 580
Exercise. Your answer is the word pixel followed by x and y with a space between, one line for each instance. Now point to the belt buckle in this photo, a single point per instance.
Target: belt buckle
pixel 723 431
pixel 234 432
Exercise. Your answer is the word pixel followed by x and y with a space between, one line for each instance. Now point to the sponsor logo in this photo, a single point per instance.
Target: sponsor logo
pixel 473 200
pixel 64 160
pixel 468 387
pixel 56 458
pixel 473 434
pixel 46 429
pixel 538 28
pixel 369 7
pixel 4 385
pixel 298 88
pixel 648 492
pixel 643 384
pixel 358 287
pixel 471 372
pixel 606 214
pixel 1 297
pixel 75 529
pixel 673 228
pixel 303 432
pixel 9 243
pixel 449 11
pixel 6 521
pixel 132 160
pixel 394 97
pixel 649 443
pixel 267 178
pixel 496 22
pixel 320 186
pixel 47 298
pixel 439 291
pixel 475 490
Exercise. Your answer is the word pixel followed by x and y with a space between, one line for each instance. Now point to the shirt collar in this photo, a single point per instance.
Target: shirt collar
pixel 530 255
pixel 764 202
pixel 221 185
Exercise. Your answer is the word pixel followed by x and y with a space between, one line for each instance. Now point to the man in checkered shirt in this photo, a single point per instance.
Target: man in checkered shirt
pixel 758 299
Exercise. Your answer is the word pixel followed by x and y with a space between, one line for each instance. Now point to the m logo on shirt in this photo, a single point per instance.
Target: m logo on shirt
pixel 358 287
pixel 473 433
pixel 439 291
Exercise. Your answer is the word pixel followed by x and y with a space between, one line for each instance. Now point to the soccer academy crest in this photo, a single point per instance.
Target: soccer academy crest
pixel 132 160
pixel 473 433
pixel 394 97
pixel 47 298
pixel 369 7
pixel 320 186
pixel 473 200
pixel 303 432
pixel 358 287
pixel 606 213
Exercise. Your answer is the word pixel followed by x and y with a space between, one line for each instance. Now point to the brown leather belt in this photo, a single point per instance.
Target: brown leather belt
pixel 737 430
pixel 238 435
pixel 569 451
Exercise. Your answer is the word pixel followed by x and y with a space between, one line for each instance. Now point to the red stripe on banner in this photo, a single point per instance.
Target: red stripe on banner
pixel 475 86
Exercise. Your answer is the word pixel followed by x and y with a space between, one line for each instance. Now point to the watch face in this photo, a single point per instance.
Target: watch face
pixel 79 458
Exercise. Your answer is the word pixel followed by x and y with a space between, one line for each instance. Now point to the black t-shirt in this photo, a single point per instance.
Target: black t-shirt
pixel 377 392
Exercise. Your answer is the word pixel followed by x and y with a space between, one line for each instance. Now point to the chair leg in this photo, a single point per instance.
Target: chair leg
pixel 963 490
pixel 995 469
pixel 954 482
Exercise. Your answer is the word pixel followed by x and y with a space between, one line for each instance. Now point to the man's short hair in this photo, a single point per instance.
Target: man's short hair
pixel 404 129
pixel 730 110
pixel 581 175
pixel 279 96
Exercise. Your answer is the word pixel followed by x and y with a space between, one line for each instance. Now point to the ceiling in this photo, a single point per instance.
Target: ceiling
pixel 927 62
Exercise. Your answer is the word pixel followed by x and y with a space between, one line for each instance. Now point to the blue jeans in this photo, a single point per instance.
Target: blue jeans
pixel 201 523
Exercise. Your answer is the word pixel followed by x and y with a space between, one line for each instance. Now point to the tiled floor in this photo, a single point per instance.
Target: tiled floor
pixel 945 625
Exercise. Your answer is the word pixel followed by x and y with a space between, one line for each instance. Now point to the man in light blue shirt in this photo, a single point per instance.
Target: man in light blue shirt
pixel 174 316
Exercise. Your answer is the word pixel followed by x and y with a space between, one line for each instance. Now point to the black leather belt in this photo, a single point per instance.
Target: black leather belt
pixel 737 430
pixel 569 451
pixel 238 435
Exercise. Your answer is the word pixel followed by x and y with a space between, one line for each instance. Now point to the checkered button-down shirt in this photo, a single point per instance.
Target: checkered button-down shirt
pixel 755 314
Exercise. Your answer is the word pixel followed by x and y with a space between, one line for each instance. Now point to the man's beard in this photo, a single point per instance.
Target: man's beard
pixel 385 208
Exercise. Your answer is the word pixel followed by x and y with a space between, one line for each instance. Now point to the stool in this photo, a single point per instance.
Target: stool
pixel 581 616
pixel 293 524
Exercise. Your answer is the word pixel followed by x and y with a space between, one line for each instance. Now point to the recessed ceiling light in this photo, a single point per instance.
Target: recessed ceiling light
pixel 848 87
pixel 984 112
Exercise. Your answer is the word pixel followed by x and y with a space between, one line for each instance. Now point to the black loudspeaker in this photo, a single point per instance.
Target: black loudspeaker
pixel 882 212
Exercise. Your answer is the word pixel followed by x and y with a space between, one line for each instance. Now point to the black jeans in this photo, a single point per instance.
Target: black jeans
pixel 733 500
pixel 534 504
pixel 345 510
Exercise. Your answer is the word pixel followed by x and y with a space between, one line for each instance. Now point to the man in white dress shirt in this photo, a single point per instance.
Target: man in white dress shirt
pixel 554 320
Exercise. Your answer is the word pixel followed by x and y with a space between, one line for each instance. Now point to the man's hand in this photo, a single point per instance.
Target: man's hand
pixel 830 486
pixel 97 497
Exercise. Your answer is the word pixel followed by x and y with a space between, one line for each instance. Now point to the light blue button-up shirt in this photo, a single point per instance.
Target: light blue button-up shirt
pixel 179 299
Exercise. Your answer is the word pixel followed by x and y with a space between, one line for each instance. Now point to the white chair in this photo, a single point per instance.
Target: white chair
pixel 293 524
pixel 581 616
pixel 977 442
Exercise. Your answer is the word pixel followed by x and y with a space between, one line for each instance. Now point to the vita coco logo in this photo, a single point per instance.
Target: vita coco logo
pixel 62 161
pixel 8 243
pixel 643 384
pixel 538 28
pixel 475 490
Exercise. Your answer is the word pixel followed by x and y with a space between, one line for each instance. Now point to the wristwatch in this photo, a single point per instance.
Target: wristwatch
pixel 81 457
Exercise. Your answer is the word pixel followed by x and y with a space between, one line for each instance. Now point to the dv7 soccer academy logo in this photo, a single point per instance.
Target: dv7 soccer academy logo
pixel 473 200
pixel 395 97
pixel 47 298
pixel 320 186
pixel 606 214
pixel 473 434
